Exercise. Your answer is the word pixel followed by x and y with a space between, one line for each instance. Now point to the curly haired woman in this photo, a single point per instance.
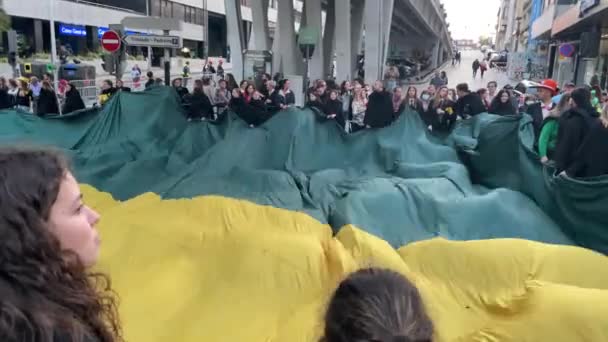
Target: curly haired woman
pixel 47 243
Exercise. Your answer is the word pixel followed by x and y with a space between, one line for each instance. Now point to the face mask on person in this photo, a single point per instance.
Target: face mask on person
pixel 425 97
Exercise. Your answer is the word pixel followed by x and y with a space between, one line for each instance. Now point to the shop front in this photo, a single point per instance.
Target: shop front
pixel 581 34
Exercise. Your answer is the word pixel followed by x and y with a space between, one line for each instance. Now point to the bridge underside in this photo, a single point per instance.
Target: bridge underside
pixel 381 30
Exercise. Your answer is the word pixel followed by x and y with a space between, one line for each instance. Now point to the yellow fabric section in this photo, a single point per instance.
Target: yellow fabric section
pixel 218 269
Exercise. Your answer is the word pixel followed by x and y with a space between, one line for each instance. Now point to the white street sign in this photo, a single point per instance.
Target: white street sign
pixel 171 42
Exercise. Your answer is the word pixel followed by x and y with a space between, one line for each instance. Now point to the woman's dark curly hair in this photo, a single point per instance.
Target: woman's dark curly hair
pixel 45 293
pixel 377 305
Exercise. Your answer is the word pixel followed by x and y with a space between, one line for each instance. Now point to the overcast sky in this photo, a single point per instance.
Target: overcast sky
pixel 470 19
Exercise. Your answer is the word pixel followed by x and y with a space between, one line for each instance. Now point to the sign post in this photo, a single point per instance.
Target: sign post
pixel 170 42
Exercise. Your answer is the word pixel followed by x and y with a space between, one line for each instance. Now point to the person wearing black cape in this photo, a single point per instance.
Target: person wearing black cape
pixel 379 108
pixel 468 104
pixel 253 113
pixel 199 104
pixel 5 100
pixel 333 108
pixel 502 104
pixel 73 100
pixel 574 126
pixel 47 101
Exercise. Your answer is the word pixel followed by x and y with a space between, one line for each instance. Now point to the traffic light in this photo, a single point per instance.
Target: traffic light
pixel 12 58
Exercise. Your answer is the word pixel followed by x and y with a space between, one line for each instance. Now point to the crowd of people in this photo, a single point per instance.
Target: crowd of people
pixel 38 97
pixel 569 124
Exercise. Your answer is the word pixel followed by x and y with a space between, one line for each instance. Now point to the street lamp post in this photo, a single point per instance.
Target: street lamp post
pixel 53 42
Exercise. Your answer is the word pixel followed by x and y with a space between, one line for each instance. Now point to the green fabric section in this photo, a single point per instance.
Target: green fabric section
pixel 399 183
pixel 548 137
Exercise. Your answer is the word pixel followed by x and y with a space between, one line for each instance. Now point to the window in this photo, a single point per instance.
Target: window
pixel 200 16
pixel 166 8
pixel 178 11
pixel 131 5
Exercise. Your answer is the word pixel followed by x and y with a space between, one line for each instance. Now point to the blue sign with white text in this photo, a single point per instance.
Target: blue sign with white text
pixel 72 30
pixel 102 30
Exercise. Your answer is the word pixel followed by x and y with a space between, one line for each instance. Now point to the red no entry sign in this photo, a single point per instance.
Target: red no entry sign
pixel 110 41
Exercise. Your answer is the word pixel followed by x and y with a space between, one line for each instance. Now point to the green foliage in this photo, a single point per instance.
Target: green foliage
pixel 483 40
pixel 5 21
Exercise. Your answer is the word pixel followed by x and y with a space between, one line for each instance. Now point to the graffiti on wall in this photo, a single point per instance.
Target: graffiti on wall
pixel 526 66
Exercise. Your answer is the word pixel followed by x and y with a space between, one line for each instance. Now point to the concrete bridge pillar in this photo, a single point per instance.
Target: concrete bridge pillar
pixel 435 54
pixel 356 33
pixel 286 54
pixel 313 20
pixel 374 40
pixel 329 36
pixel 235 36
pixel 378 19
pixel 260 39
pixel 344 65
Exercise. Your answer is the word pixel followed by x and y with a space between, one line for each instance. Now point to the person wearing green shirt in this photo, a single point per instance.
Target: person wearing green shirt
pixel 548 134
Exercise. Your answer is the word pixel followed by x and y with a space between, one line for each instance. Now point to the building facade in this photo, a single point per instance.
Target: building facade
pixel 505 25
pixel 576 33
pixel 80 23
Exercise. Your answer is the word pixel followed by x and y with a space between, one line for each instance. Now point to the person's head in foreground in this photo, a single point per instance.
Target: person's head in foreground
pixel 47 242
pixel 377 305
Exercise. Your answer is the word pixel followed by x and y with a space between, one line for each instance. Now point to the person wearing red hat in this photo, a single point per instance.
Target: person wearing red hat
pixel 546 90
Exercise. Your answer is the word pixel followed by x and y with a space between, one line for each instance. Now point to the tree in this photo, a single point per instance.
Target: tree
pixel 483 40
pixel 5 20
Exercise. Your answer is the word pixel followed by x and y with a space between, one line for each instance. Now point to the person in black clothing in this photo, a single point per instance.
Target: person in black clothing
pixel 181 91
pixel 24 97
pixel 469 104
pixel 256 112
pixel 592 157
pixel 199 104
pixel 314 102
pixel 441 111
pixel 502 104
pixel 333 107
pixel 73 100
pixel 271 99
pixel 150 81
pixel 47 101
pixel 237 103
pixel 476 66
pixel 208 68
pixel 5 100
pixel 220 69
pixel 121 87
pixel 573 128
pixel 379 111
pixel 231 82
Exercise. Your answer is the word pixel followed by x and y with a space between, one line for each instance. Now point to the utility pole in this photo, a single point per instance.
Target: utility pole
pixel 149 47
pixel 205 30
pixel 53 44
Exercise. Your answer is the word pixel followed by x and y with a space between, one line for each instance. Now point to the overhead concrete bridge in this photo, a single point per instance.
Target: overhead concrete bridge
pixel 380 29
